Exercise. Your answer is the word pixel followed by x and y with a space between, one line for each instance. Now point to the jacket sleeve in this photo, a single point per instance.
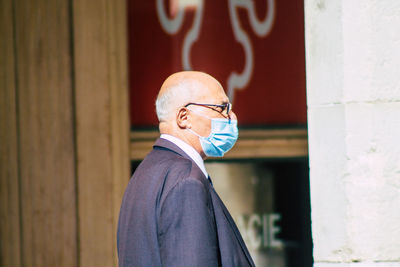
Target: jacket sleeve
pixel 187 234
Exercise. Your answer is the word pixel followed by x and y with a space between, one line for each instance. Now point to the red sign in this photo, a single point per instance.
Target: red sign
pixel 255 48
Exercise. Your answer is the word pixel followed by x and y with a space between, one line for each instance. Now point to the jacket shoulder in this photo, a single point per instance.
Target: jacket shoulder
pixel 182 171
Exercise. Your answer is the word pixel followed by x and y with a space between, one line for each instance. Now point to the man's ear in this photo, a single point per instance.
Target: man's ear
pixel 182 118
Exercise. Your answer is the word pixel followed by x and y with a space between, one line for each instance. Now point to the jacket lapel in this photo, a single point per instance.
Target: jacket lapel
pixel 233 226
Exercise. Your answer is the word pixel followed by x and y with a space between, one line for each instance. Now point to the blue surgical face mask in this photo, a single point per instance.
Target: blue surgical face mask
pixel 223 136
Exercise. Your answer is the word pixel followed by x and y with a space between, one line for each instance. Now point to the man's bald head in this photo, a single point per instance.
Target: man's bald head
pixel 184 122
pixel 179 89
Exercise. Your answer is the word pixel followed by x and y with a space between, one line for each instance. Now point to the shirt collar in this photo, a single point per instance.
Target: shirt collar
pixel 189 150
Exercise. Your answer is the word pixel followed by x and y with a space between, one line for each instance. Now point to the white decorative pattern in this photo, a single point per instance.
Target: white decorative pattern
pixel 236 81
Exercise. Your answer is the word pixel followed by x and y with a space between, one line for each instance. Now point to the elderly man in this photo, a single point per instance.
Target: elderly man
pixel 170 214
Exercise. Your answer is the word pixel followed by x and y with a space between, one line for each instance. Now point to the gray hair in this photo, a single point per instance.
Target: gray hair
pixel 176 96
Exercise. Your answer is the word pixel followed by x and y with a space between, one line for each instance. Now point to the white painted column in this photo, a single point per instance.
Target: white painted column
pixel 353 90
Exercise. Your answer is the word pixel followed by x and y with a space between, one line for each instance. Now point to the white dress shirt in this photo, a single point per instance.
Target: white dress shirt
pixel 192 153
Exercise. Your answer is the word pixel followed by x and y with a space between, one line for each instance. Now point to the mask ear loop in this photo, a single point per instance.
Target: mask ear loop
pixel 193 132
pixel 201 115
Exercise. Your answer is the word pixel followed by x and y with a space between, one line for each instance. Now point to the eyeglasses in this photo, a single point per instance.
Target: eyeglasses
pixel 224 107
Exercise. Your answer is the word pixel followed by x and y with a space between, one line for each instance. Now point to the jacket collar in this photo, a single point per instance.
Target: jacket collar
pixel 162 143
pixel 166 144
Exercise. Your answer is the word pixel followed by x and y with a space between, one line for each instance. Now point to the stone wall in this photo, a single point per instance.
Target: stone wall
pixel 353 96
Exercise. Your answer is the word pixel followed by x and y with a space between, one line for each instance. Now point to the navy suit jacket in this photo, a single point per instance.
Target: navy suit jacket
pixel 171 216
